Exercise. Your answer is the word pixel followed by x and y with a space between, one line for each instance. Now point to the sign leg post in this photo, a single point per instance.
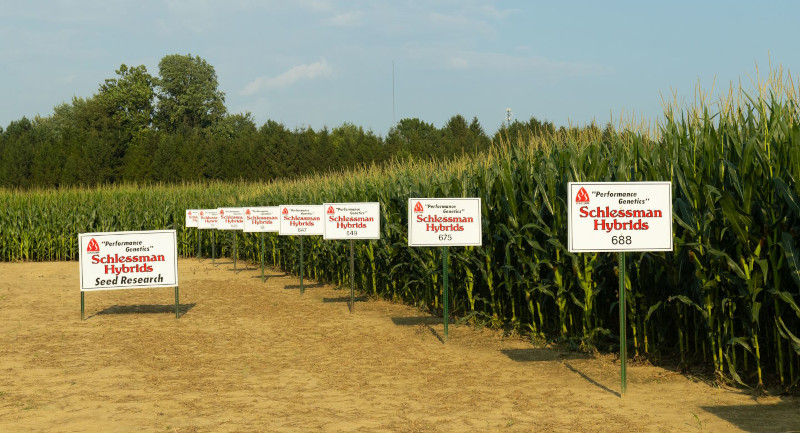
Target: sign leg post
pixel 262 257
pixel 302 290
pixel 199 255
pixel 177 310
pixel 445 253
pixel 234 250
pixel 623 345
pixel 213 249
pixel 82 305
pixel 352 277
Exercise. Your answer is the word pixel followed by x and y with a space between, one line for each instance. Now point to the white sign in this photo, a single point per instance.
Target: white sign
pixel 301 220
pixel 209 219
pixel 619 216
pixel 435 222
pixel 128 260
pixel 261 219
pixel 192 217
pixel 352 220
pixel 230 218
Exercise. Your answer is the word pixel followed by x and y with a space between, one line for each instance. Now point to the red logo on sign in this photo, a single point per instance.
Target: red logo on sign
pixel 418 207
pixel 221 212
pixel 330 209
pixel 247 212
pixel 285 211
pixel 93 247
pixel 201 213
pixel 190 213
pixel 582 197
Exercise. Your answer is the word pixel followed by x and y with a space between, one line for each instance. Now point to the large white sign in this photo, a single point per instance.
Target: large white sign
pixel 301 220
pixel 192 217
pixel 434 222
pixel 209 219
pixel 261 219
pixel 352 220
pixel 620 216
pixel 230 218
pixel 128 260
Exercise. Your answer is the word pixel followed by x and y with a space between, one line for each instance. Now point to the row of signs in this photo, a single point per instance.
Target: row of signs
pixel 607 216
pixel 432 222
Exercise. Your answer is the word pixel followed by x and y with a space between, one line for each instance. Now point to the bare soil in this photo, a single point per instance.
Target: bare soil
pixel 251 356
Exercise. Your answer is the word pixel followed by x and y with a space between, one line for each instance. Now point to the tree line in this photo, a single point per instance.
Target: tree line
pixel 175 127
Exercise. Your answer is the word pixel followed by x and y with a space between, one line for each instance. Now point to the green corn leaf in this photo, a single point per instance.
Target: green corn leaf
pixel 792 256
pixel 651 310
pixel 785 333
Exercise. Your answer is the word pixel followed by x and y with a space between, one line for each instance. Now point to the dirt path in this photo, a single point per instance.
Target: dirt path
pixel 251 356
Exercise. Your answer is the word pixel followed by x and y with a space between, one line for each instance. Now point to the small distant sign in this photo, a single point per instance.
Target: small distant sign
pixel 352 220
pixel 301 220
pixel 230 218
pixel 209 219
pixel 434 222
pixel 192 217
pixel 262 219
pixel 619 216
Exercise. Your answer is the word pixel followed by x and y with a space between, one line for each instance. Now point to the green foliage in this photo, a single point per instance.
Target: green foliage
pixel 188 96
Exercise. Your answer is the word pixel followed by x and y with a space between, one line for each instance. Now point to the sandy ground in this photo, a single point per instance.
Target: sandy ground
pixel 251 356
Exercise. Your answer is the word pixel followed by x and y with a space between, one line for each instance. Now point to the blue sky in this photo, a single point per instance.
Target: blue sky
pixel 322 63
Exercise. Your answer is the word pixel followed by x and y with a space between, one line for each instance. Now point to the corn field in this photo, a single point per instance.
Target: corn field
pixel 727 297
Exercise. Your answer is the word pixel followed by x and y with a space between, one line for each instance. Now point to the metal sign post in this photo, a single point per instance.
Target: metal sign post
pixel 261 219
pixel 445 222
pixel 352 277
pixel 302 289
pixel 262 257
pixel 231 218
pixel 445 290
pixel 620 217
pixel 623 344
pixel 352 221
pixel 301 220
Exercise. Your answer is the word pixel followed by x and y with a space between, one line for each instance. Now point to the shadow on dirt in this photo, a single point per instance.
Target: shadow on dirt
pixel 541 354
pixel 345 299
pixel 422 321
pixel 145 309
pixel 590 380
pixel 305 286
pixel 783 417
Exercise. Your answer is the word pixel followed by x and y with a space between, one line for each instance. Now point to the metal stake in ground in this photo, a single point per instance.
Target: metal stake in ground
pixel 213 249
pixel 352 276
pixel 234 250
pixel 262 257
pixel 199 256
pixel 82 305
pixel 445 290
pixel 623 345
pixel 302 290
pixel 177 310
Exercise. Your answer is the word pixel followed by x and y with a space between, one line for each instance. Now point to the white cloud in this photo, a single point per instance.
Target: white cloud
pixel 347 19
pixel 475 60
pixel 297 73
